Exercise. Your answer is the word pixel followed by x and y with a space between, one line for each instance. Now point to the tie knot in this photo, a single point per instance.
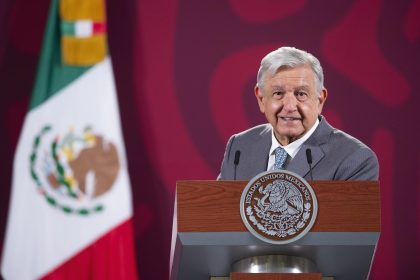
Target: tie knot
pixel 280 158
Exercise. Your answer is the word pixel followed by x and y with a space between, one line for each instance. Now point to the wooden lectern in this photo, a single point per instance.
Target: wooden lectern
pixel 209 236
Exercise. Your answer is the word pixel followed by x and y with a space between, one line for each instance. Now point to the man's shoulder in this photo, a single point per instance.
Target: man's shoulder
pixel 343 140
pixel 255 132
pixel 350 158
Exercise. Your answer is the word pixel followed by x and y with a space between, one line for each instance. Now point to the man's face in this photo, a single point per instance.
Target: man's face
pixel 290 102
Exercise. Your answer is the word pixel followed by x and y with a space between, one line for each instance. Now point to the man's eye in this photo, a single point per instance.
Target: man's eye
pixel 278 93
pixel 301 95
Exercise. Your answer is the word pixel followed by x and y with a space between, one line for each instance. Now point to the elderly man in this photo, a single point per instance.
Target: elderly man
pixel 291 94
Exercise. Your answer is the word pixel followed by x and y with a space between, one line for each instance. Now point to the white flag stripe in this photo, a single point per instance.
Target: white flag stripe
pixel 83 28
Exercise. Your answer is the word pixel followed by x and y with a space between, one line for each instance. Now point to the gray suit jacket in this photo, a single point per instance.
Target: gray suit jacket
pixel 335 155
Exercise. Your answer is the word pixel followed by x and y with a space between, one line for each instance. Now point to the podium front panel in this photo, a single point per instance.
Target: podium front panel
pixel 210 236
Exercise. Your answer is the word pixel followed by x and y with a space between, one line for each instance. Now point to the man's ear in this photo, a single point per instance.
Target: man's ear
pixel 322 98
pixel 260 98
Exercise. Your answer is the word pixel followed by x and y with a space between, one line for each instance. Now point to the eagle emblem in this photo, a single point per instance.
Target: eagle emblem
pixel 278 207
pixel 72 170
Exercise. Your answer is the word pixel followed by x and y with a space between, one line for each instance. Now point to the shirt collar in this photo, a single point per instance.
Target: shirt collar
pixel 293 148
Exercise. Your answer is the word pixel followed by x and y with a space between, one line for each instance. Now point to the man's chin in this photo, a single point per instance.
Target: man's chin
pixel 287 137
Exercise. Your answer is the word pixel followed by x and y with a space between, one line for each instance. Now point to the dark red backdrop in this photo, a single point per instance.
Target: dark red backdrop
pixel 185 73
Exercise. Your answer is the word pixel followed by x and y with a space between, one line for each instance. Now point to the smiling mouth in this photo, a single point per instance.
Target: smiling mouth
pixel 288 119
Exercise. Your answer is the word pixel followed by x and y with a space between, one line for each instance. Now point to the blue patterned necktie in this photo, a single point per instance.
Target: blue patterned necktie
pixel 280 158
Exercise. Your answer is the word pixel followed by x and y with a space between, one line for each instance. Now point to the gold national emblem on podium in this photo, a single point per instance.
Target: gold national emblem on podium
pixel 278 207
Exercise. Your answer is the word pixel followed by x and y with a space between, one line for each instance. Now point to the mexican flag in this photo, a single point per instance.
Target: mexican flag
pixel 70 213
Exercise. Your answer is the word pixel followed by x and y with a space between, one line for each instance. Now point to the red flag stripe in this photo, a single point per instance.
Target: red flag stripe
pixel 112 256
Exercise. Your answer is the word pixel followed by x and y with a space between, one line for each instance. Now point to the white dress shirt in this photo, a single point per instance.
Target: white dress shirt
pixel 292 149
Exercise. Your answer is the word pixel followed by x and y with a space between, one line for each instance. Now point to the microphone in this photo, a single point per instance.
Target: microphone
pixel 309 160
pixel 236 162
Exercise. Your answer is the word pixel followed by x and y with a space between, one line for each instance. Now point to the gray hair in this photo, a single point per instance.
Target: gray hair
pixel 289 57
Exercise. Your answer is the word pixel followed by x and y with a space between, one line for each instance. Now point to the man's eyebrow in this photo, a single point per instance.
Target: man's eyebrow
pixel 305 87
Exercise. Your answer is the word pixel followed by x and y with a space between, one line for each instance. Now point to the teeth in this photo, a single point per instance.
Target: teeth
pixel 289 118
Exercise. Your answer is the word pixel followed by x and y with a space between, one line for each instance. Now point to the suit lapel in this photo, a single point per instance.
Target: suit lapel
pixel 258 154
pixel 299 164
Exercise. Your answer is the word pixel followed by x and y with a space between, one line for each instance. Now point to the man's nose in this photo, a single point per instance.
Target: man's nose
pixel 289 102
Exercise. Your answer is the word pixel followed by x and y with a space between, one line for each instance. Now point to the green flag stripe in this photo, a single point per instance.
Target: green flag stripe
pixel 52 75
pixel 68 28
